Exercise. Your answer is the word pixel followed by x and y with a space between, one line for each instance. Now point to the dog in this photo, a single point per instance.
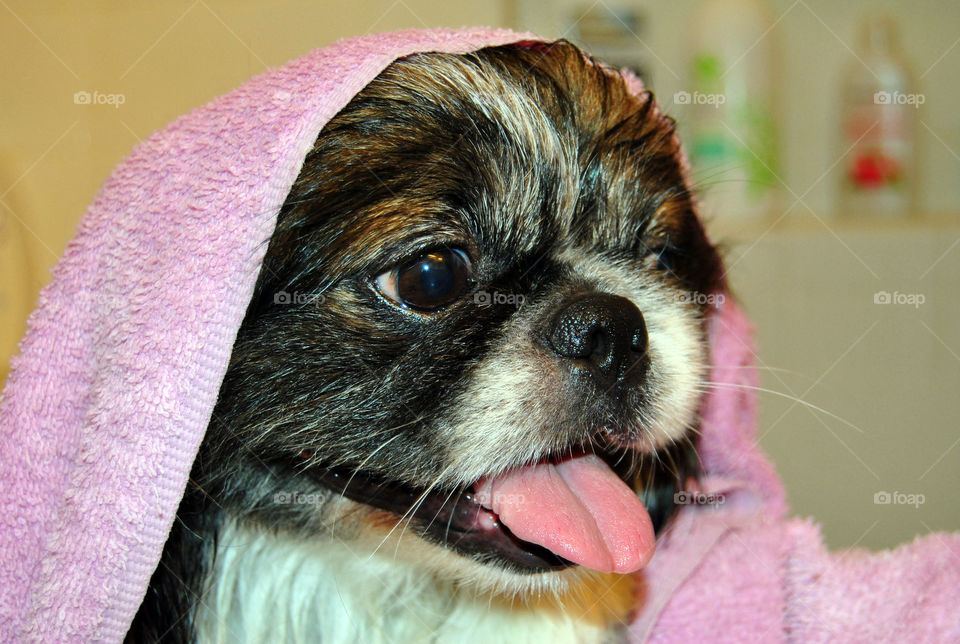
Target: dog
pixel 465 391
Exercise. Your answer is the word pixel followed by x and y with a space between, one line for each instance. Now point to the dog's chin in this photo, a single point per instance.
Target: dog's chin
pixel 495 574
pixel 449 519
pixel 454 534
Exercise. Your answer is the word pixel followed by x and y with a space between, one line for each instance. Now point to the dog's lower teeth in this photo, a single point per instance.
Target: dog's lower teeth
pixel 486 520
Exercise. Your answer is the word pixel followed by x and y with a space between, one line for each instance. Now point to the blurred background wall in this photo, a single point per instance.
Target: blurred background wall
pixel 858 339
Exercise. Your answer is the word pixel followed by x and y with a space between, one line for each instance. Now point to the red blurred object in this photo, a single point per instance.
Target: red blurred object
pixel 874 170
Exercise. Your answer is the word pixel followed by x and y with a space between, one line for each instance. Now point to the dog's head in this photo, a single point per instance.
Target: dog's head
pixel 478 331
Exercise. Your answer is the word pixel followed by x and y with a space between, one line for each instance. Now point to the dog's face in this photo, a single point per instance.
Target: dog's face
pixel 482 278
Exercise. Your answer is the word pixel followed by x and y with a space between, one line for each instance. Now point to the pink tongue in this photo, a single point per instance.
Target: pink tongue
pixel 578 509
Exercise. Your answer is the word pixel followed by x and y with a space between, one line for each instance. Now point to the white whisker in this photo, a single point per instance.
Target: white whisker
pixel 774 392
pixel 408 515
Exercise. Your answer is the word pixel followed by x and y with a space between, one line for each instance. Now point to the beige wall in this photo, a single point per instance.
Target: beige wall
pixel 808 287
pixel 863 395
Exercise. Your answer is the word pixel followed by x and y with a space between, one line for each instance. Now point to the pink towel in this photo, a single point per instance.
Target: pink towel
pixel 118 374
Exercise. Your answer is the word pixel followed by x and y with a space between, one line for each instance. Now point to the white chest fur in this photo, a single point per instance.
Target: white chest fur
pixel 268 588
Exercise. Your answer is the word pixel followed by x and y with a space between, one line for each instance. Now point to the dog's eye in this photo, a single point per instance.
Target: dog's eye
pixel 664 259
pixel 429 282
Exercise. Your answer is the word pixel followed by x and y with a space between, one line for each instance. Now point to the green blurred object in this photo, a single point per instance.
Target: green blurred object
pixel 731 102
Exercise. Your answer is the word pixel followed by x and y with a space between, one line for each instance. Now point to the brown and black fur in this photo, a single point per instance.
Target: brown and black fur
pixel 522 156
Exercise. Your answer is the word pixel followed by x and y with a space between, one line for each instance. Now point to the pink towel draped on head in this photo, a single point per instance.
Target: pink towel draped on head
pixel 119 371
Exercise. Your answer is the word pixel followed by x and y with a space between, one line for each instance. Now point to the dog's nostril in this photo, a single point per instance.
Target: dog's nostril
pixel 600 347
pixel 602 333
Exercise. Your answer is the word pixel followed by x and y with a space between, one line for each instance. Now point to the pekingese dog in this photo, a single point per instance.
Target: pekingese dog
pixel 466 388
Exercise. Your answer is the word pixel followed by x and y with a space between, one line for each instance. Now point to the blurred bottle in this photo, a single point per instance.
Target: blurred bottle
pixel 879 126
pixel 611 32
pixel 733 135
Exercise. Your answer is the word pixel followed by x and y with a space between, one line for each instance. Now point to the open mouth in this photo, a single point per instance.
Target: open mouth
pixel 579 509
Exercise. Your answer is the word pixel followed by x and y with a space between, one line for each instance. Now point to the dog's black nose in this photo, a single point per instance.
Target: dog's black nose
pixel 604 335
